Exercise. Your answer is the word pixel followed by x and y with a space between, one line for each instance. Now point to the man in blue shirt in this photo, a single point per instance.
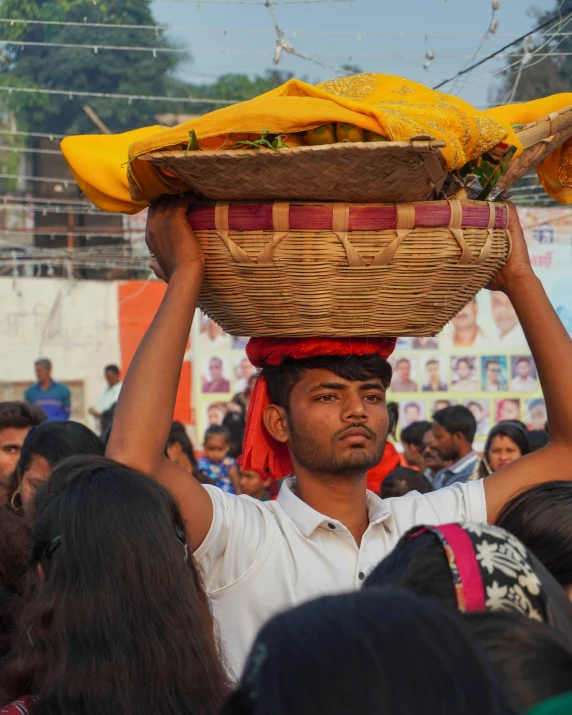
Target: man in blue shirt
pixel 454 430
pixel 52 397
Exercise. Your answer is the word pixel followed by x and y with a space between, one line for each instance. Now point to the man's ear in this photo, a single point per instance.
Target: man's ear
pixel 276 422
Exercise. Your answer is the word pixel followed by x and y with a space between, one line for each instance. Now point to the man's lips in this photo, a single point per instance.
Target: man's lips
pixel 356 435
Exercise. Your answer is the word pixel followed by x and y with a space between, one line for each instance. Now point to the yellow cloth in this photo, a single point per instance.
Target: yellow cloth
pixel 109 173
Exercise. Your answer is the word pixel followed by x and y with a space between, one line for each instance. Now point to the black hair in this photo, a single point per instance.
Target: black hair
pixel 537 439
pixel 523 359
pixel 236 425
pixel 106 419
pixel 541 518
pixel 515 431
pixel 457 420
pixel 475 403
pixel 401 360
pixel 414 433
pixel 20 415
pixel 56 441
pixel 432 361
pixel 281 379
pixel 44 362
pixel 533 660
pixel 217 431
pixel 178 434
pixel 363 653
pixel 402 481
pixel 112 368
pixel 121 622
pixel 393 413
pixel 418 565
pixel 492 362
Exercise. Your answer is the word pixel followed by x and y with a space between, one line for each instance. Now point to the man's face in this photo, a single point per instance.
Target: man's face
pixel 11 440
pixel 463 369
pixel 42 373
pixel 215 416
pixel 245 369
pixel 523 369
pixel 404 369
pixel 215 369
pixel 429 452
pixel 493 371
pixel 433 370
pixel 111 377
pixel 441 404
pixel 538 417
pixel 467 317
pixel 444 443
pixel 503 312
pixel 336 427
pixel 476 411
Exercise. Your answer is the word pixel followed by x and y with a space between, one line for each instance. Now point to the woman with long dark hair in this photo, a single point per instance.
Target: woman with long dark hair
pixel 120 622
pixel 506 442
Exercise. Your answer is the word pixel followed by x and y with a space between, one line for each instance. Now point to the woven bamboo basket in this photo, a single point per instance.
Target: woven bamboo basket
pixel 364 171
pixel 329 269
pixel 539 140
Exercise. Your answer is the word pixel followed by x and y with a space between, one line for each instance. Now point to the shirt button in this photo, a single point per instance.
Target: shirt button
pixel 361 575
pixel 331 526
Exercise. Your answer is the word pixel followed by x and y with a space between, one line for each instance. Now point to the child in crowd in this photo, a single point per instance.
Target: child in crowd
pixel 216 464
pixel 251 483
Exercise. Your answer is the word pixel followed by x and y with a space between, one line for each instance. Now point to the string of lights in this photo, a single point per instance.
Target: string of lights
pixel 110 95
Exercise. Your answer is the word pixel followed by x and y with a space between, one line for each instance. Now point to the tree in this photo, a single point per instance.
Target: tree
pixel 94 69
pixel 527 77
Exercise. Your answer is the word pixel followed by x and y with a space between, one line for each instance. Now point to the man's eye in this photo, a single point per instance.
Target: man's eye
pixel 326 398
pixel 374 398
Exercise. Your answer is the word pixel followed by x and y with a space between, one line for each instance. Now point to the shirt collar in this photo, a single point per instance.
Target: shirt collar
pixel 463 462
pixel 307 520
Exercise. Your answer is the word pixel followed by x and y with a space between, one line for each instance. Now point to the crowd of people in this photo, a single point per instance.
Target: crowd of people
pixel 139 576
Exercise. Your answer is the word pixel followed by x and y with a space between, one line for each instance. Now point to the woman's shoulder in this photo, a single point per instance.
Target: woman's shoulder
pixel 22 706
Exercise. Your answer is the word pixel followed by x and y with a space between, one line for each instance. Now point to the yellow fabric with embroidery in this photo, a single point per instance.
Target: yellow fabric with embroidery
pixel 108 171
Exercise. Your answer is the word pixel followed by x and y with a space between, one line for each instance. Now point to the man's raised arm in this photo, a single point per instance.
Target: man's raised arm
pixel 551 348
pixel 144 411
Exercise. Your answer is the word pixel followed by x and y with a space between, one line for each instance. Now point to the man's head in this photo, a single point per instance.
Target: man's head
pixel 430 453
pixel 252 484
pixel 411 413
pixel 16 419
pixel 508 411
pixel 432 367
pixel 215 413
pixel 523 368
pixel 245 369
pixel 330 411
pixel 403 369
pixel 538 414
pixel 467 317
pixel 112 375
pixel 504 314
pixel 412 440
pixel 43 368
pixel 441 404
pixel 454 430
pixel 463 368
pixel 493 371
pixel 215 368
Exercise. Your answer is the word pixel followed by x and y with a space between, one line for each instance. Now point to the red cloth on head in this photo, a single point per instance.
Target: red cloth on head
pixel 261 452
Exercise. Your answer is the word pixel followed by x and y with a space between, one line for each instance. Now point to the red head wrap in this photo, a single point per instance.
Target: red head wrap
pixel 262 453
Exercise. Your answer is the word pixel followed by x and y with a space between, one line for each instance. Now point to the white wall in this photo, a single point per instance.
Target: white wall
pixel 74 324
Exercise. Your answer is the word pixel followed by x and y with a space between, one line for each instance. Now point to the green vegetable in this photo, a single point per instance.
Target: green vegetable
pixel 268 141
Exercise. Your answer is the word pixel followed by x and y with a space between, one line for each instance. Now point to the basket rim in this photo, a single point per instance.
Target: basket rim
pixel 417 145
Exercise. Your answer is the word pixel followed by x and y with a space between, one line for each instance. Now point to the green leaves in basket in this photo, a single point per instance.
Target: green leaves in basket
pixel 487 169
pixel 193 144
pixel 266 141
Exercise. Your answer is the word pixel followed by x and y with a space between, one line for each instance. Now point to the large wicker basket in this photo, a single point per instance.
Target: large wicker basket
pixel 364 171
pixel 330 269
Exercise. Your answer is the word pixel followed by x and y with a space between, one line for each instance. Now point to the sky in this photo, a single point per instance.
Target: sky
pixel 384 36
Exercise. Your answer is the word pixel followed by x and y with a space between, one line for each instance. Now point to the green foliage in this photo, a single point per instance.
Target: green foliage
pixel 67 68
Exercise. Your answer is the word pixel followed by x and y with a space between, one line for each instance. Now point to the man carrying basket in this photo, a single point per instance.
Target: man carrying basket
pixel 319 412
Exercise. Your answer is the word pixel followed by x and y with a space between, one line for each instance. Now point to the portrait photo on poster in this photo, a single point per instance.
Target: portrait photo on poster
pixel 433 373
pixel 507 410
pixel 411 411
pixel 212 336
pixel 215 374
pixel 536 417
pixel 404 374
pixel 243 371
pixel 494 373
pixel 481 410
pixel 464 374
pixel 523 371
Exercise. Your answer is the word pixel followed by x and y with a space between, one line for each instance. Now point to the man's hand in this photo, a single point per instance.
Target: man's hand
pixel 170 238
pixel 518 265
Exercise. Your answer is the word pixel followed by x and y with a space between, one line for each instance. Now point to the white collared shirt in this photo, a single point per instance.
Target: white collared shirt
pixel 260 558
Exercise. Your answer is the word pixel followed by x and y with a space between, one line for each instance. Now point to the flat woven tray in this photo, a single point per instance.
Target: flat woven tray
pixel 364 171
pixel 330 269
